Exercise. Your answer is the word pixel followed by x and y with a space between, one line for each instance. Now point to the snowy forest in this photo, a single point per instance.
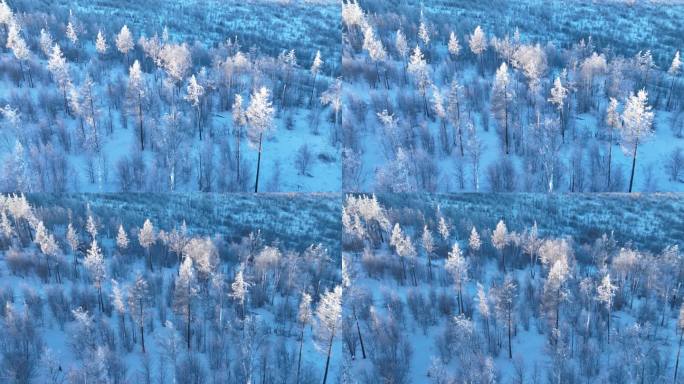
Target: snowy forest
pixel 568 96
pixel 512 288
pixel 115 289
pixel 95 103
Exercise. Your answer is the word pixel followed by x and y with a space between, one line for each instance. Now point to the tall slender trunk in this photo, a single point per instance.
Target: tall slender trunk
pixel 679 350
pixel 140 119
pixel 237 145
pixel 188 326
pixel 299 360
pixel 634 156
pixel 142 325
pixel 610 155
pixel 510 348
pixel 506 121
pixel 256 184
pixel 358 330
pixel 327 361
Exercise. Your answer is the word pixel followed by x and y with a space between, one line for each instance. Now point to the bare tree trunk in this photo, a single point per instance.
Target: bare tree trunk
pixel 256 184
pixel 327 361
pixel 634 156
pixel 679 350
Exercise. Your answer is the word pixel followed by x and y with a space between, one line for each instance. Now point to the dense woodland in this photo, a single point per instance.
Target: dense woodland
pixel 96 299
pixel 435 295
pixel 92 106
pixel 436 102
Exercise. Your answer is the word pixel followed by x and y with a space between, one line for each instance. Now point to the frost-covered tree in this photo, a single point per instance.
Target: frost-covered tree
pixel 401 45
pixel 239 122
pixel 316 66
pixel 680 326
pixel 500 240
pixel 558 95
pixel 138 297
pixel 124 41
pixel 195 91
pixel 91 227
pixel 147 237
pixel 260 121
pixel 505 305
pixel 474 242
pixel 57 66
pixel 453 111
pixel 46 42
pixel 71 33
pixel 376 51
pixel 605 292
pixel 121 239
pixel 328 313
pixel 453 46
pixel 613 122
pixel 418 68
pixel 637 119
pixel 428 244
pixel 185 291
pixel 478 44
pixel 304 317
pixel 674 70
pixel 502 96
pixel 457 266
pixel 239 289
pixel 94 263
pixel 19 48
pixel 101 43
pixel 423 33
pixel 136 94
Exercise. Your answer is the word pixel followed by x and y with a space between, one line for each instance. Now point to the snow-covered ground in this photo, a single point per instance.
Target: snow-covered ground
pixel 405 299
pixel 399 59
pixel 248 262
pixel 72 110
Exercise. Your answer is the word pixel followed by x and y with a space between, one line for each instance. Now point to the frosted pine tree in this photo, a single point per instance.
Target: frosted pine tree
pixel 121 239
pixel 674 70
pixel 454 46
pixel 418 68
pixel 500 240
pixel 502 96
pixel 194 93
pixel 680 326
pixel 138 296
pixel 457 266
pixel 101 43
pixel 239 289
pixel 45 42
pixel 94 263
pixel 260 120
pixel 136 95
pixel 613 122
pixel 315 68
pixel 57 66
pixel 239 122
pixel 474 242
pixel 328 313
pixel 558 95
pixel 605 292
pixel 304 316
pixel 637 119
pixel 440 112
pixel 423 33
pixel 505 307
pixel 401 45
pixel 453 111
pixel 428 244
pixel 19 48
pixel 478 44
pixel 71 34
pixel 146 238
pixel 91 227
pixel 184 293
pixel 124 41
pixel 376 51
